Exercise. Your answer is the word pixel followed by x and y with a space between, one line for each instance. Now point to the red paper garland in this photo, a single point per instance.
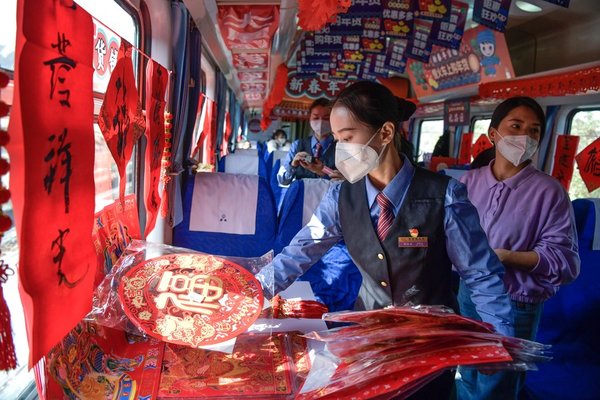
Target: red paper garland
pixel 567 83
pixel 276 95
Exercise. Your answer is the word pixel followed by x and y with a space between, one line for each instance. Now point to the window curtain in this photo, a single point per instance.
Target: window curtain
pixel 545 158
pixel 221 97
pixel 185 91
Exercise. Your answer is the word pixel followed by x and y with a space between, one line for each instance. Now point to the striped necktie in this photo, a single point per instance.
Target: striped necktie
pixel 318 148
pixel 386 216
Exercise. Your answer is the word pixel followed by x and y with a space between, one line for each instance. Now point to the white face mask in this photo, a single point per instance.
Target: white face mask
pixel 320 127
pixel 280 141
pixel 516 149
pixel 355 160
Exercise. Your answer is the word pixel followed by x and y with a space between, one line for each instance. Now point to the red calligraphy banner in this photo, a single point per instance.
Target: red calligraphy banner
pixel 52 156
pixel 588 162
pixel 481 144
pixel 465 148
pixel 120 119
pixel 202 103
pixel 226 135
pixel 564 159
pixel 156 86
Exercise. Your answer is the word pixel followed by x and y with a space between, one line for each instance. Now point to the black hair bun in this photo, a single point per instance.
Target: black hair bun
pixel 405 108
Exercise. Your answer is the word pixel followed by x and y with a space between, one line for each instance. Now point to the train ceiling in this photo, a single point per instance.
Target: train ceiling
pixel 248 40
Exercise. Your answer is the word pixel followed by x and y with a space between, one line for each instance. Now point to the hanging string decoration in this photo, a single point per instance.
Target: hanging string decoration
pixel 166 164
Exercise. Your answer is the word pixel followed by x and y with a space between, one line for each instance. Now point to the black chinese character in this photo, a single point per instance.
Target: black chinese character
pixel 59 66
pixel 62 154
pixel 58 243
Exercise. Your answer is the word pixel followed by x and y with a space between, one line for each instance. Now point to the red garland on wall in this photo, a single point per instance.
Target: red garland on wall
pixel 8 359
pixel 313 15
pixel 567 83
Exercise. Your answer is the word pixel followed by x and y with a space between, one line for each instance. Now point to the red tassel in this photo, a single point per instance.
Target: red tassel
pixel 8 358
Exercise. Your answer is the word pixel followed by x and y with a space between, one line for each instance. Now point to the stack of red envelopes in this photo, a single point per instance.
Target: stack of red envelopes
pixel 396 351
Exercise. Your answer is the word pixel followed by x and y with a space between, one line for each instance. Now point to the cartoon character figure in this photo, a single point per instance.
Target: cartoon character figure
pixel 487 46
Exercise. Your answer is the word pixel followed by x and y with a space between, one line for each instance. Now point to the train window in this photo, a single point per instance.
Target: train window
pixel 480 127
pixel 18 383
pixel 429 132
pixel 120 24
pixel 583 123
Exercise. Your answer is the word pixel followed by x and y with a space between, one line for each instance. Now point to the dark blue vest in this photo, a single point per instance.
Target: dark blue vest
pixel 394 274
pixel 327 158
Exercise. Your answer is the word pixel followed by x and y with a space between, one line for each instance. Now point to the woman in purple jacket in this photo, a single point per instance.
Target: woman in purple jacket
pixel 529 222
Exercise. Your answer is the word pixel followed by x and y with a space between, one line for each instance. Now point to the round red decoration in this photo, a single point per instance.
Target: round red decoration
pixel 4 166
pixel 3 80
pixel 191 299
pixel 4 195
pixel 4 138
pixel 3 109
pixel 5 222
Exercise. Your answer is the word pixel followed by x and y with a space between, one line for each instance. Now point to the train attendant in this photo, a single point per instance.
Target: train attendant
pixel 314 156
pixel 530 224
pixel 404 226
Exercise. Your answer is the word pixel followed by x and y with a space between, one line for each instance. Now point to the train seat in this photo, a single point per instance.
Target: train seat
pixel 568 322
pixel 247 162
pixel 335 279
pixel 227 214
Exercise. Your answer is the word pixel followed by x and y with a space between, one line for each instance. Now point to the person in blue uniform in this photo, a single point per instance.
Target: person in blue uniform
pixel 404 226
pixel 312 157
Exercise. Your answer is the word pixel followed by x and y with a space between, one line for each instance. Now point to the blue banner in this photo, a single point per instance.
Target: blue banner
pixel 491 13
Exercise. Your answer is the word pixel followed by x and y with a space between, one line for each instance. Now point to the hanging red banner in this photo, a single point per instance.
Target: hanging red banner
pixel 466 142
pixel 156 85
pixel 53 164
pixel 121 120
pixel 564 159
pixel 588 162
pixel 481 144
pixel 226 135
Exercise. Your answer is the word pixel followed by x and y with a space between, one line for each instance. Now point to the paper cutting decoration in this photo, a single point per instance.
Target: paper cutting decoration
pixel 466 142
pixel 588 162
pixel 261 364
pixel 156 86
pixel 52 149
pixel 120 119
pixel 191 299
pixel 564 159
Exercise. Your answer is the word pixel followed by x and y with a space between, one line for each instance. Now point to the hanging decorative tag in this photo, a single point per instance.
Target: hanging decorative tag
pixel 156 86
pixel 121 120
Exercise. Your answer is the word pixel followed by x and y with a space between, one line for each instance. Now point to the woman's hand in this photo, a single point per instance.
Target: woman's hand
pixel 316 166
pixel 503 254
pixel 299 159
pixel 523 260
pixel 336 175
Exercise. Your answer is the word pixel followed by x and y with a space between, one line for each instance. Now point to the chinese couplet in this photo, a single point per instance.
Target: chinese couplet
pixel 52 155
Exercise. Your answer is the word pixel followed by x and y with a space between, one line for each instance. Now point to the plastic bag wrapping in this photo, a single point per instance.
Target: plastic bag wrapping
pixel 393 352
pixel 262 366
pixel 108 308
